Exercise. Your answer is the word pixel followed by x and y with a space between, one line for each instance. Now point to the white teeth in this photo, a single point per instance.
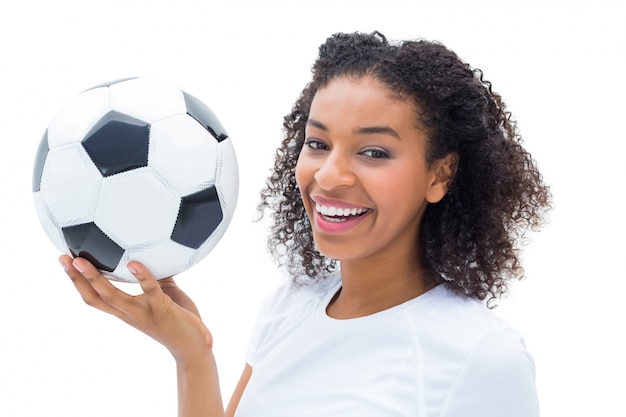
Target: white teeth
pixel 338 211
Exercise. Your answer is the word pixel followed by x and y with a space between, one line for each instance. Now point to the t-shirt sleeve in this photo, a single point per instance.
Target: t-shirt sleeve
pixel 262 322
pixel 255 337
pixel 498 379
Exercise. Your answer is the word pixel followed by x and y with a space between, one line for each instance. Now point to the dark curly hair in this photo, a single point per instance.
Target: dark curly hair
pixel 470 239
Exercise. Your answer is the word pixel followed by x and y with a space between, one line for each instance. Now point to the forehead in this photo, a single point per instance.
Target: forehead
pixel 365 100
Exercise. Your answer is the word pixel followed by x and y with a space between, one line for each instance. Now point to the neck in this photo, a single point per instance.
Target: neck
pixel 369 287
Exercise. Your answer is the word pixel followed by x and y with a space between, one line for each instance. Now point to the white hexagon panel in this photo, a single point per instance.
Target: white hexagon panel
pixel 166 256
pixel 198 148
pixel 136 207
pixel 131 96
pixel 69 186
pixel 78 116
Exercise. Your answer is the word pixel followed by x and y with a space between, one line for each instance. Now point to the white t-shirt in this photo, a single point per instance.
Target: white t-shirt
pixel 436 355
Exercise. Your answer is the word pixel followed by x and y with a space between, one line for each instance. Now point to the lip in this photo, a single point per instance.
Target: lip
pixel 342 226
pixel 324 201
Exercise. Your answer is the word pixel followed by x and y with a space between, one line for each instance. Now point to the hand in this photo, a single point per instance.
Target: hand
pixel 163 312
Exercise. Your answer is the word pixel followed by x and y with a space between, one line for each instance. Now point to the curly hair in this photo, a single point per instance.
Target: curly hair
pixel 470 239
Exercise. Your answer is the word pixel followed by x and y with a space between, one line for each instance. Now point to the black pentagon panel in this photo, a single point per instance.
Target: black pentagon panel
pixel 203 114
pixel 118 143
pixel 88 241
pixel 198 217
pixel 110 83
pixel 40 160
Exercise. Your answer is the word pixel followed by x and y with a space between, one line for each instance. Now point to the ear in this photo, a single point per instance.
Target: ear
pixel 443 171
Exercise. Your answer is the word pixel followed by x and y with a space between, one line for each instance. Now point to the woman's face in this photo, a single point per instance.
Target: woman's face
pixel 362 171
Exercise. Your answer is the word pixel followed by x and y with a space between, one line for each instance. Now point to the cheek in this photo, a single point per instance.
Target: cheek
pixel 386 184
pixel 299 175
pixel 402 189
pixel 303 177
pixel 303 173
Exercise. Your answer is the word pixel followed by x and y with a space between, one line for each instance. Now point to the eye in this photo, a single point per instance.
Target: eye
pixel 375 153
pixel 315 144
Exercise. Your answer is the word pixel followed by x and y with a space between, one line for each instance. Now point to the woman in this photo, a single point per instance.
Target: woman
pixel 399 196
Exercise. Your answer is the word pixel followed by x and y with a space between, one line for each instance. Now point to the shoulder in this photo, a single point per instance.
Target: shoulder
pixel 462 318
pixel 497 378
pixel 284 308
pixel 468 329
pixel 287 297
pixel 494 374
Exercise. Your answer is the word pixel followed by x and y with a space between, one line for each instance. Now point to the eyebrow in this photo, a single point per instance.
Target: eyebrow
pixel 369 130
pixel 373 130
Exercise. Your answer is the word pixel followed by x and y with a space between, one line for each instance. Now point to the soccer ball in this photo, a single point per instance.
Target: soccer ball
pixel 135 169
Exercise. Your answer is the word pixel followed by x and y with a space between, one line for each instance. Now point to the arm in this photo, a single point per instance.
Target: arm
pixel 239 389
pixel 198 387
pixel 166 314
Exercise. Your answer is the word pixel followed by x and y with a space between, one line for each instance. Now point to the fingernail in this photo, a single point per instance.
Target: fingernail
pixel 133 269
pixel 75 263
pixel 63 265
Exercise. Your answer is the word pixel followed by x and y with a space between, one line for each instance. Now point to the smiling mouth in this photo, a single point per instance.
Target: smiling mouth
pixel 338 214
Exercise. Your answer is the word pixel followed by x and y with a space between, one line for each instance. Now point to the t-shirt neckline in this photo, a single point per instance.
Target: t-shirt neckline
pixel 323 319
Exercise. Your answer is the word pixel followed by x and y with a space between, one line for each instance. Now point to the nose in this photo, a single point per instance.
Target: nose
pixel 335 171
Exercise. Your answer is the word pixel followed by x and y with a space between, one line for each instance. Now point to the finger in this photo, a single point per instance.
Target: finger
pixel 169 288
pixel 149 285
pixel 109 293
pixel 89 295
pixel 167 283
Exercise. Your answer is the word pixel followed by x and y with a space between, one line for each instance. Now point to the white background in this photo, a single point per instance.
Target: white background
pixel 559 66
